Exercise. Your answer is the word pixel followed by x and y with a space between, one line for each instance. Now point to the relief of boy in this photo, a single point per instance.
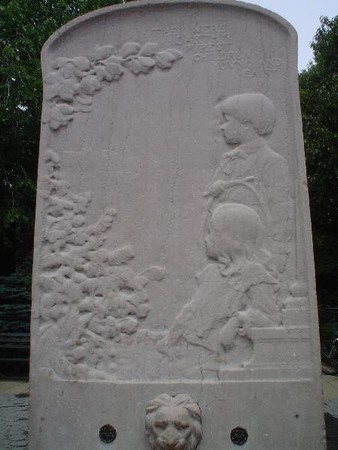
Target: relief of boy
pixel 252 173
pixel 236 291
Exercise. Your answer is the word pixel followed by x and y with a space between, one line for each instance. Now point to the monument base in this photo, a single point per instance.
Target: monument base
pixel 257 407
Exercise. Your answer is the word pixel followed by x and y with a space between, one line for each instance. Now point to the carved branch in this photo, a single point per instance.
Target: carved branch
pixel 72 82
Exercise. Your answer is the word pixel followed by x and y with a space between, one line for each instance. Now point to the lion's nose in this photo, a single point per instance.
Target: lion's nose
pixel 170 438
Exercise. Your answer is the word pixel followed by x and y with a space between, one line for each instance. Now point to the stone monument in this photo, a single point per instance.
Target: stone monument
pixel 174 296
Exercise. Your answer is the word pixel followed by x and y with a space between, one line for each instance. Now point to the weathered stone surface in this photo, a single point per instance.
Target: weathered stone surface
pixel 173 256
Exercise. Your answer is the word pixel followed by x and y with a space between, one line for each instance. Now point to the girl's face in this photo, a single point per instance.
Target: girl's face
pixel 221 244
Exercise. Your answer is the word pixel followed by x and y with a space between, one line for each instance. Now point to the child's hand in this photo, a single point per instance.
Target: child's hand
pixel 175 334
pixel 228 333
pixel 216 189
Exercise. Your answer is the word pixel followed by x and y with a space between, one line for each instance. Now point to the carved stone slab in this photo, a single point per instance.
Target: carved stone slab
pixel 173 287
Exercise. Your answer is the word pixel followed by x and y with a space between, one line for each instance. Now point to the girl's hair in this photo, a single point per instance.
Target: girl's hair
pixel 243 224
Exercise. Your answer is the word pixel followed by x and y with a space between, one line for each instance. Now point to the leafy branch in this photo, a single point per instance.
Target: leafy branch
pixel 73 82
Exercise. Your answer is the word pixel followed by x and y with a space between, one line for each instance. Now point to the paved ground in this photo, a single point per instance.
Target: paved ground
pixel 14 397
pixel 13 422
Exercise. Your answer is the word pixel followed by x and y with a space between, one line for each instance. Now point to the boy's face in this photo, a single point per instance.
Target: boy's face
pixel 234 131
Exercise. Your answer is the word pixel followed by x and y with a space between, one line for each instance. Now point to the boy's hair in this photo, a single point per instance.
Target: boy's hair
pixel 253 108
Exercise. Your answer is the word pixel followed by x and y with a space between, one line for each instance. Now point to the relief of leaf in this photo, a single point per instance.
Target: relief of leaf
pixel 67 89
pixel 100 53
pixel 52 156
pixel 134 66
pixel 52 92
pixel 86 305
pixel 142 311
pixel 142 281
pixel 52 78
pixel 164 60
pixel 129 48
pixel 54 124
pixel 82 73
pixel 59 62
pixel 89 85
pixel 102 73
pixel 65 109
pixel 149 49
pixel 95 243
pixel 83 103
pixel 116 70
pixel 146 63
pixel 113 59
pixel 176 54
pixel 47 284
pixel 110 213
pixel 59 115
pixel 129 325
pixel 121 255
pixel 68 71
pixel 154 273
pixel 81 62
pixel 54 235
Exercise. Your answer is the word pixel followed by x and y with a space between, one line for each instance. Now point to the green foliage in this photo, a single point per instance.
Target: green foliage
pixel 319 100
pixel 24 27
pixel 15 288
pixel 15 299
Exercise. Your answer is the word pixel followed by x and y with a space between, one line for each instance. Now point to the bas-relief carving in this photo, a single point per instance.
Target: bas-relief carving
pixel 173 423
pixel 73 82
pixel 94 302
pixel 99 312
pixel 235 293
pixel 248 240
pixel 252 173
pixel 91 300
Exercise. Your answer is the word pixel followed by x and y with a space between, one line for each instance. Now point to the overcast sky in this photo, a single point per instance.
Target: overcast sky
pixel 304 16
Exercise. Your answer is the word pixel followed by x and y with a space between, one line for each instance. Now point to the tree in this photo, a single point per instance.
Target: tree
pixel 24 26
pixel 319 101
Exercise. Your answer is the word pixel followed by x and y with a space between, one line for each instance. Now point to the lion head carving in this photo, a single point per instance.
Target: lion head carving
pixel 173 423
